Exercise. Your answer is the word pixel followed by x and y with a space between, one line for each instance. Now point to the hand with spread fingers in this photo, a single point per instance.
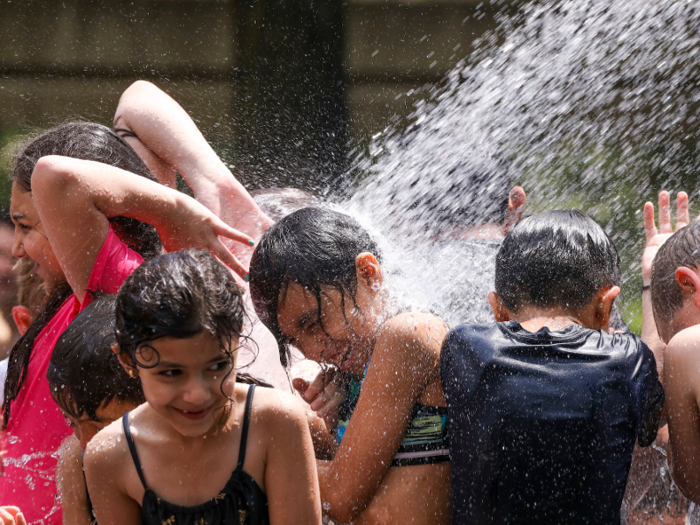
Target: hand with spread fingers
pixel 655 238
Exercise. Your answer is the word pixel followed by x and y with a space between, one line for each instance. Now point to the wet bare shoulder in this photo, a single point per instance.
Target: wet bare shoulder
pixel 107 447
pixel 416 334
pixel 274 409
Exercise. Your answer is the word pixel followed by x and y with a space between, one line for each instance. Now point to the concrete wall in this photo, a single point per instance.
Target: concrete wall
pixel 72 58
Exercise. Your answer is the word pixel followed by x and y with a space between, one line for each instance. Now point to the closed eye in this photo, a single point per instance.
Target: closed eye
pixel 171 373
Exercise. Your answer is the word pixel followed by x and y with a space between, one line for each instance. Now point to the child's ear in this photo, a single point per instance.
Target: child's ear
pixel 22 318
pixel 500 312
pixel 689 281
pixel 126 363
pixel 603 305
pixel 368 270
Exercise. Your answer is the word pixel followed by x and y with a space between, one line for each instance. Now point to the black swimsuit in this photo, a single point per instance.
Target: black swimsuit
pixel 241 502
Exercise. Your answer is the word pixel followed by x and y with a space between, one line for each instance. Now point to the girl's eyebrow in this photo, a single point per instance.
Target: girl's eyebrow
pixel 17 216
pixel 170 364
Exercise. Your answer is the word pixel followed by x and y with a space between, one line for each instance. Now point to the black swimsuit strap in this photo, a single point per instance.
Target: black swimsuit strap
pixel 132 449
pixel 246 424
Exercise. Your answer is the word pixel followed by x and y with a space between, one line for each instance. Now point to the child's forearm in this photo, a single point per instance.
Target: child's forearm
pixel 166 129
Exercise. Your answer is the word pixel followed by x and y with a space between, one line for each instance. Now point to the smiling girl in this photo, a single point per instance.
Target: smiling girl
pixel 83 204
pixel 316 283
pixel 203 449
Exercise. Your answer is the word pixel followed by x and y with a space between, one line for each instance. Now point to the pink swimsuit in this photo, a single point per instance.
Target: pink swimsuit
pixel 37 427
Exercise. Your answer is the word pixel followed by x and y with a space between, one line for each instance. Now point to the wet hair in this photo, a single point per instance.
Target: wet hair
pixel 87 141
pixel 681 249
pixel 555 259
pixel 84 372
pixel 91 141
pixel 178 295
pixel 312 247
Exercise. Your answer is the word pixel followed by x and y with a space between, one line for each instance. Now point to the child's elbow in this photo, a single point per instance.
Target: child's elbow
pixel 342 508
pixel 51 172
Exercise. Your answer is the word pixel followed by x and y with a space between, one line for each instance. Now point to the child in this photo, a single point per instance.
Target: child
pixel 179 319
pixel 316 283
pixel 85 223
pixel 92 389
pixel 675 297
pixel 546 405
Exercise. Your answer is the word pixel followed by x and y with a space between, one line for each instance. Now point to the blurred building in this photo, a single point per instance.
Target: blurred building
pixel 282 88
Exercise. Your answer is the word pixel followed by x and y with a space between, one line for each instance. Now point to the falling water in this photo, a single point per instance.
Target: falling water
pixel 594 104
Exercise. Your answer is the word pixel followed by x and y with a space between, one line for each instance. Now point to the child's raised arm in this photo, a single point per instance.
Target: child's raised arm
pixel 654 239
pixel 75 198
pixel 168 140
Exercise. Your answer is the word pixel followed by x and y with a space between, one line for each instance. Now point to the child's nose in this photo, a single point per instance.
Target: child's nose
pixel 197 392
pixel 18 246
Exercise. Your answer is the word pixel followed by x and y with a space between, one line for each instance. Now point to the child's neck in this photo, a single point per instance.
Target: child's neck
pixel 534 319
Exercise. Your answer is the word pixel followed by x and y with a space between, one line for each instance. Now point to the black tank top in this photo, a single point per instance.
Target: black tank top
pixel 241 502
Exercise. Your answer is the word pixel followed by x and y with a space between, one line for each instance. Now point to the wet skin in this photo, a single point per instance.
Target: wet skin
pixel 346 333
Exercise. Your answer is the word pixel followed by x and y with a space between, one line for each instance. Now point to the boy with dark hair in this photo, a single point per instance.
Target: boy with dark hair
pixel 675 299
pixel 546 405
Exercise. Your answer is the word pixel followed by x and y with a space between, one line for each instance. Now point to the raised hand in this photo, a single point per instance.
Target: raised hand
pixel 516 206
pixel 655 238
pixel 191 225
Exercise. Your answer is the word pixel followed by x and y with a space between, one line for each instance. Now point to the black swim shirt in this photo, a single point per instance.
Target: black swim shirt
pixel 543 425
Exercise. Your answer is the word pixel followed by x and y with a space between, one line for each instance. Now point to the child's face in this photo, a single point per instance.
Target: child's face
pixel 30 238
pixel 85 428
pixel 338 333
pixel 187 386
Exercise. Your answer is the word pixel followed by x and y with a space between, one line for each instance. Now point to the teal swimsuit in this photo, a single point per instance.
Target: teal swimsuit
pixel 426 439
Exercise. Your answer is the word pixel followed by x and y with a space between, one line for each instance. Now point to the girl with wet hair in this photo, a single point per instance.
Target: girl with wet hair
pixel 316 283
pixel 203 449
pixel 86 212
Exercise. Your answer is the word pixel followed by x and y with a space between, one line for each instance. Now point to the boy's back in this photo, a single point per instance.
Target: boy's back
pixel 543 424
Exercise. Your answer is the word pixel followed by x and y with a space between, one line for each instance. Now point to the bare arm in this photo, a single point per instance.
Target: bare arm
pixel 168 141
pixel 75 199
pixel 654 239
pixel 291 482
pixel 106 460
pixel 71 484
pixel 404 361
pixel 682 384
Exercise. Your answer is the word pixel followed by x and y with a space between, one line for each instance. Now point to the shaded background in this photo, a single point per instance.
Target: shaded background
pixel 282 88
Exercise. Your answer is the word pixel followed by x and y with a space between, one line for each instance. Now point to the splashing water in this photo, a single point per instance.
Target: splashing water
pixel 594 104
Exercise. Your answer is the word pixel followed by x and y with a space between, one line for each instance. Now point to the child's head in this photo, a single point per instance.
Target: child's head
pixel 675 282
pixel 179 319
pixel 314 281
pixel 90 141
pixel 559 261
pixel 85 377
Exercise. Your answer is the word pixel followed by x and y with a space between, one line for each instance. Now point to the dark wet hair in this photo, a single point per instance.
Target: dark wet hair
pixel 87 141
pixel 312 247
pixel 84 372
pixel 178 295
pixel 555 259
pixel 91 141
pixel 681 249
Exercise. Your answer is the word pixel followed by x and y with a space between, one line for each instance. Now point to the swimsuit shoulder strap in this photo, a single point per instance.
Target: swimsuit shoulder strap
pixel 132 448
pixel 246 424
